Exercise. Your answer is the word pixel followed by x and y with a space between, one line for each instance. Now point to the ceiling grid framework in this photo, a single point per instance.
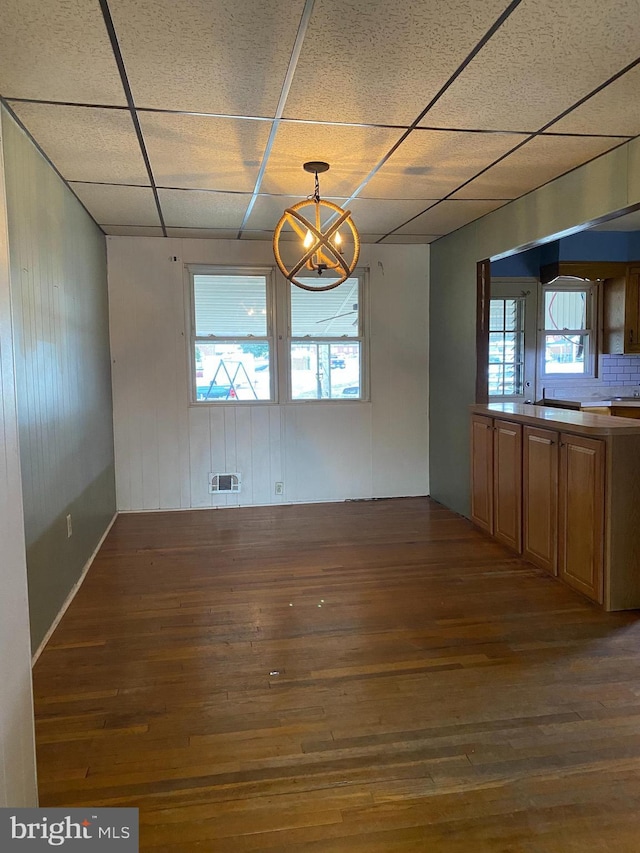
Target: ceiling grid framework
pixel 194 119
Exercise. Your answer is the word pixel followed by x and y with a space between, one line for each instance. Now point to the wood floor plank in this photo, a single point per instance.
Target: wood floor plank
pixel 371 677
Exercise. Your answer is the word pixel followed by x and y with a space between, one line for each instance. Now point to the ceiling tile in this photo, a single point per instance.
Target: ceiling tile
pixel 87 144
pixel 204 233
pixel 217 56
pixel 447 216
pixel 616 109
pixel 350 151
pixel 383 62
pixel 379 216
pixel 201 152
pixel 539 161
pixel 544 58
pixel 431 164
pixel 268 209
pixel 133 230
pixel 57 51
pixel 193 209
pixel 113 205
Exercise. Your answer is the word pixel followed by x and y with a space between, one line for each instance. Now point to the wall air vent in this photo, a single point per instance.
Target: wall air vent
pixel 228 483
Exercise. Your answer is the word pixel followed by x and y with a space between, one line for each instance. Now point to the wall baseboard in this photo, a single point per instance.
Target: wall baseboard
pixel 72 593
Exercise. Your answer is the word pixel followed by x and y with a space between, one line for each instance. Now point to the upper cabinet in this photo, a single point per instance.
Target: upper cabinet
pixel 622 313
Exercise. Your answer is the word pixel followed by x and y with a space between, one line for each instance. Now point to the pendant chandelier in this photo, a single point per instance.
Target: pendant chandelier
pixel 328 243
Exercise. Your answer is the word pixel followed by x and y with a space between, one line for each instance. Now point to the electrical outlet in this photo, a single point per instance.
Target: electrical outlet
pixel 69 526
pixel 279 488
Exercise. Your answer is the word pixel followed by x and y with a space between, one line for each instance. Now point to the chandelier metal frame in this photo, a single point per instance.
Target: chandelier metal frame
pixel 323 247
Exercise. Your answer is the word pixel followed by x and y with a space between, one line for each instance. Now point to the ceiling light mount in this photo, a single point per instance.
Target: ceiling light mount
pixel 324 249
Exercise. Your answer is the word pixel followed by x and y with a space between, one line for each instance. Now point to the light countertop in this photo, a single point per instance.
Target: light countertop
pixel 582 423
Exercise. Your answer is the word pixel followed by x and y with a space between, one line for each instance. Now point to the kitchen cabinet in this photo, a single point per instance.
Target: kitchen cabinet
pixel 482 472
pixel 496 494
pixel 579 478
pixel 622 313
pixel 581 514
pixel 540 498
pixel 507 483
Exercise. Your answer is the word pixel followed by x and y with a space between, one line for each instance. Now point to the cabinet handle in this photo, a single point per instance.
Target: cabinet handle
pixel 630 336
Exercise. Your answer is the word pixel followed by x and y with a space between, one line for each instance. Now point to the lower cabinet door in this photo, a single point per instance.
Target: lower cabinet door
pixel 507 484
pixel 540 498
pixel 482 472
pixel 581 514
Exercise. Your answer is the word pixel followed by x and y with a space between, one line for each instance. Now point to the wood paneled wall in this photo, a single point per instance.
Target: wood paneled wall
pixel 60 310
pixel 327 451
pixel 17 752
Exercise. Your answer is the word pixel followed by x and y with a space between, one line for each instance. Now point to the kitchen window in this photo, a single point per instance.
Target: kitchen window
pixel 232 338
pixel 566 338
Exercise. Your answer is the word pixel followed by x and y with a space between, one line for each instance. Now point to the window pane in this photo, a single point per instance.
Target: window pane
pixel 230 305
pixel 496 314
pixel 233 370
pixel 566 353
pixel 506 348
pixel 321 371
pixel 327 314
pixel 565 309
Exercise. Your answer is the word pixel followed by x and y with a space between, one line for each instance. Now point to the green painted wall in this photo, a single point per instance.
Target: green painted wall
pixel 63 377
pixel 608 184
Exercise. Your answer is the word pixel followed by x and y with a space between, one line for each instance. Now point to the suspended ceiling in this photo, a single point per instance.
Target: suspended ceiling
pixel 194 118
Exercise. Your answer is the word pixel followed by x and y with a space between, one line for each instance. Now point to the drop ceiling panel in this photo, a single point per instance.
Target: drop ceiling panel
pixel 379 216
pixel 87 144
pixel 287 236
pixel 544 58
pixel 616 108
pixel 133 230
pixel 115 205
pixel 431 164
pixel 268 209
pixel 203 152
pixel 204 233
pixel 219 56
pixel 447 216
pixel 351 152
pixel 539 161
pixel 381 63
pixel 57 51
pixel 193 209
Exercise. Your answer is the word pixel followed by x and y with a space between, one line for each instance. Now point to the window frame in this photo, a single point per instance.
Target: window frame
pixel 191 270
pixel 361 274
pixel 591 290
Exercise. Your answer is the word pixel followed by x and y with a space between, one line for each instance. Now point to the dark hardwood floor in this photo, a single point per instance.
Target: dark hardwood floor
pixel 368 677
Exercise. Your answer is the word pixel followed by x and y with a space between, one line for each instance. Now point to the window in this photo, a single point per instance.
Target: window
pixel 327 344
pixel 232 335
pixel 506 347
pixel 566 337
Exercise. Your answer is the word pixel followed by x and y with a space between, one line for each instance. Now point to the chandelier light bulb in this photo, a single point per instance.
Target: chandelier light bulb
pixel 308 240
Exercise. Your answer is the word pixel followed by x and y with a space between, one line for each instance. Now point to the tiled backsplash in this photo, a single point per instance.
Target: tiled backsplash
pixel 619 375
pixel 620 369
